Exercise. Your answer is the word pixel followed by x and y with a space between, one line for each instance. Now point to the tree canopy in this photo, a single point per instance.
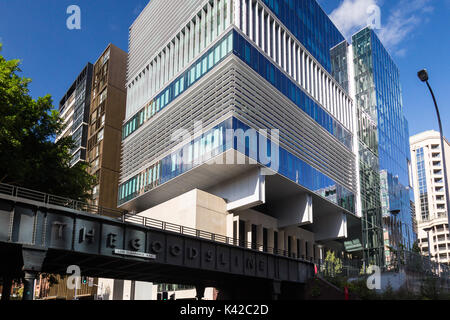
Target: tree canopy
pixel 29 157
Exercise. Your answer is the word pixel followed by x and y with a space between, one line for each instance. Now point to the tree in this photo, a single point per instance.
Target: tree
pixel 333 264
pixel 29 157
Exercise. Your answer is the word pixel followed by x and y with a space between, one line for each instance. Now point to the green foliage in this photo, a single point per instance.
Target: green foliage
pixel 18 294
pixel 315 289
pixel 429 289
pixel 359 288
pixel 415 247
pixel 388 293
pixel 333 264
pixel 29 157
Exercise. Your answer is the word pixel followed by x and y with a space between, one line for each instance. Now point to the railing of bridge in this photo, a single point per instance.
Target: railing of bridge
pixel 163 225
pixel 24 193
pixel 124 216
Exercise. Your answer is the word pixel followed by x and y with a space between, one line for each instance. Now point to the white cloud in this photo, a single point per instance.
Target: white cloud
pixel 352 15
pixel 396 24
pixel 403 19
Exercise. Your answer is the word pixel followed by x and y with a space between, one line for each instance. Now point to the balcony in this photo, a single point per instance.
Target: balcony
pixel 436 155
pixel 442 215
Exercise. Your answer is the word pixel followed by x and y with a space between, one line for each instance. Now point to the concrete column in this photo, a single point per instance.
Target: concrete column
pixel 28 283
pixel 281 241
pixel 33 260
pixel 248 234
pixel 321 252
pixel 302 249
pixel 317 252
pixel 275 289
pixel 259 237
pixel 200 289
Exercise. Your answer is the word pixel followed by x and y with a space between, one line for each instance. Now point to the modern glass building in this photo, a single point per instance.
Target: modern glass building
pixel 235 125
pixel 384 157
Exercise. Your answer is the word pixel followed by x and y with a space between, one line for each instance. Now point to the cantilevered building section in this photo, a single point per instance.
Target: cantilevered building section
pixel 74 110
pixel 429 189
pixel 235 125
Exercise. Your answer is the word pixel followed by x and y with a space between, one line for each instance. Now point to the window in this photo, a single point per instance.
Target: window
pixel 100 135
pixel 103 95
pixel 205 63
pixel 95 191
pixel 95 164
pixel 106 57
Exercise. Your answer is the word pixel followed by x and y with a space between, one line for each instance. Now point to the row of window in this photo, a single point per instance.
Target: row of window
pixel 210 59
pixel 258 62
pixel 146 180
pixel 276 42
pixel 213 143
pixel 310 24
pixel 205 27
pixel 423 190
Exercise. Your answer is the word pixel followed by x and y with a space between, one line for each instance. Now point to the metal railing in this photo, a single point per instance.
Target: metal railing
pixel 171 227
pixel 410 262
pixel 24 193
pixel 124 216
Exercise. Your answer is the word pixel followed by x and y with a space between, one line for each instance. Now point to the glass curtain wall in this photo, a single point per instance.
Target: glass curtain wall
pixel 368 150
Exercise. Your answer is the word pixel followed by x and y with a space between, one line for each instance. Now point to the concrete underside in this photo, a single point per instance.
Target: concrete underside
pixel 329 222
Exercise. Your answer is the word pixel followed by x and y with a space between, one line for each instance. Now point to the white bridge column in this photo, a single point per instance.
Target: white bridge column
pixel 295 211
pixel 243 192
pixel 332 226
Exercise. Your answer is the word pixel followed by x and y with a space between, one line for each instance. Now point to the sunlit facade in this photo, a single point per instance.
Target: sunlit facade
pixel 430 194
pixel 372 78
pixel 74 110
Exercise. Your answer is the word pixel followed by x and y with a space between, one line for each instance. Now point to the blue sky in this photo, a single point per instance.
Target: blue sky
pixel 416 33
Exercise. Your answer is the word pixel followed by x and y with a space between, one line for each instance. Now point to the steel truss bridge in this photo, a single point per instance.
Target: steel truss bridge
pixel 46 233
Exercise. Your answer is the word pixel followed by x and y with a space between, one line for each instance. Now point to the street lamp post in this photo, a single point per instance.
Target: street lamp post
pixel 423 76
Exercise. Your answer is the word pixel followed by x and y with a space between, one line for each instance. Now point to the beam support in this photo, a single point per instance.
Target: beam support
pixel 33 259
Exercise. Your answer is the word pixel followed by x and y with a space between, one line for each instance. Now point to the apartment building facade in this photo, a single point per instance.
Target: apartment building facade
pixel 93 110
pixel 430 194
pixel 74 110
pixel 106 115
